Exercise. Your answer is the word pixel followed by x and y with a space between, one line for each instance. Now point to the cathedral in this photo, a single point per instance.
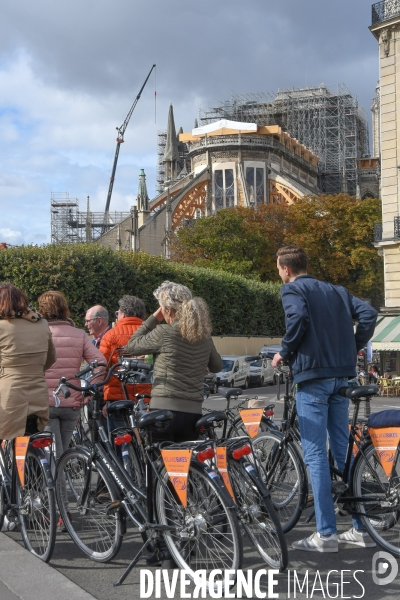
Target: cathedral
pixel 222 164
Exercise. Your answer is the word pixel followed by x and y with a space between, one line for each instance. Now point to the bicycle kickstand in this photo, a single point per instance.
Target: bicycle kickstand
pixel 133 563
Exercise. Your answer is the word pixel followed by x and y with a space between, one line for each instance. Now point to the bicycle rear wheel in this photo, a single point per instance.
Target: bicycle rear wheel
pixel 258 516
pixel 36 509
pixel 381 517
pixel 206 535
pixel 283 473
pixel 97 533
pixel 2 502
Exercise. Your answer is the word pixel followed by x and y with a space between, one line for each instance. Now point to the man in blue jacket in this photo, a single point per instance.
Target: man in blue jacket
pixel 321 348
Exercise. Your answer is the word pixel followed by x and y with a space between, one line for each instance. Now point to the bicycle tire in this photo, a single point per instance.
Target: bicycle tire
pixel 258 516
pixel 287 484
pixel 368 478
pixel 2 499
pixel 36 509
pixel 96 533
pixel 2 484
pixel 207 535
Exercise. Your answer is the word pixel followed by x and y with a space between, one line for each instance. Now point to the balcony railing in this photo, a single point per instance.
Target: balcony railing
pixel 377 232
pixel 246 141
pixel 384 11
pixel 378 237
pixel 397 227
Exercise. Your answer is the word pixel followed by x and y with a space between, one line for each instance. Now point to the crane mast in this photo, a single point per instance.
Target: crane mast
pixel 120 140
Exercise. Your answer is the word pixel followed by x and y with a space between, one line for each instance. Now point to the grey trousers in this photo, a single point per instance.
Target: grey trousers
pixel 62 423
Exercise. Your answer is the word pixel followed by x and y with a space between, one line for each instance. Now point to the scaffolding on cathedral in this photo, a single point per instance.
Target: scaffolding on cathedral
pixel 161 141
pixel 327 121
pixel 183 162
pixel 70 226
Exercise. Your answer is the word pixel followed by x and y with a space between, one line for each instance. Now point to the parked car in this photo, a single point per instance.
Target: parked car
pixel 269 351
pixel 262 371
pixel 235 372
pixel 211 381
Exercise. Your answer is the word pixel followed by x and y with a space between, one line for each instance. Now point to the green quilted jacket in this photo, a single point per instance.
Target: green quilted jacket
pixel 179 366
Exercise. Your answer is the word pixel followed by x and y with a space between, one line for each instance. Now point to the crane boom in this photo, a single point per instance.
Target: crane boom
pixel 120 140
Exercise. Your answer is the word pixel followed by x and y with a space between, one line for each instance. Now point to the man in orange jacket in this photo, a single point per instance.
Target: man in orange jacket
pixel 129 318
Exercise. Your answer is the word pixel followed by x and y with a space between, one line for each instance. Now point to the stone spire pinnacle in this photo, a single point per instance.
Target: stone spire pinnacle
pixel 171 153
pixel 142 197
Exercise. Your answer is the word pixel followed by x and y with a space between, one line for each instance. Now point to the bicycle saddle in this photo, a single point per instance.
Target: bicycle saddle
pixel 120 406
pixel 154 417
pixel 228 392
pixel 359 392
pixel 208 420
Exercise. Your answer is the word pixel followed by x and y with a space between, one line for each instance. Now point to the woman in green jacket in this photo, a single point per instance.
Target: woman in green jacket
pixel 183 350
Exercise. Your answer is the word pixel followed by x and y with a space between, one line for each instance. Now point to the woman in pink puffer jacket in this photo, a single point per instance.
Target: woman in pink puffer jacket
pixel 72 345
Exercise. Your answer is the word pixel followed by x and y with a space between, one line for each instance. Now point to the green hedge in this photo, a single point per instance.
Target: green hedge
pixel 89 274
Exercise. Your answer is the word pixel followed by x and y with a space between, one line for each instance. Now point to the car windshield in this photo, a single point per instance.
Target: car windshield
pixel 227 365
pixel 256 363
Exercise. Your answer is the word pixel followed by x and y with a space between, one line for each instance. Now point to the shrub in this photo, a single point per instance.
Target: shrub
pixel 89 274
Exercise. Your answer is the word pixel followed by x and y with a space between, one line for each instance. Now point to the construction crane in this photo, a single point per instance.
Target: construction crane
pixel 120 140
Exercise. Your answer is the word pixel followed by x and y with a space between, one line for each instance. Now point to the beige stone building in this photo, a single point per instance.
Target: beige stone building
pixel 386 138
pixel 386 28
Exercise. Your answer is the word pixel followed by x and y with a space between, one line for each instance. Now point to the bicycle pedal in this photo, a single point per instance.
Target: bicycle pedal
pixel 338 487
pixel 113 508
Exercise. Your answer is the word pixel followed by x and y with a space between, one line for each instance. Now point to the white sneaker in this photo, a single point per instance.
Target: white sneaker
pixel 359 538
pixel 9 525
pixel 315 543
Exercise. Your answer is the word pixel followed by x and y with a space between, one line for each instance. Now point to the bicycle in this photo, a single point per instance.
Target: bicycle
pixel 239 470
pixel 27 491
pixel 369 485
pixel 281 465
pixel 201 534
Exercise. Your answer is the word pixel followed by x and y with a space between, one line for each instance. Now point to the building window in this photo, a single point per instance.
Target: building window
pixel 255 183
pixel 224 188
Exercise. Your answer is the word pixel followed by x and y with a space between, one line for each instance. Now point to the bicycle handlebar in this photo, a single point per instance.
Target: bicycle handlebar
pixel 64 390
pixel 89 368
pixel 128 364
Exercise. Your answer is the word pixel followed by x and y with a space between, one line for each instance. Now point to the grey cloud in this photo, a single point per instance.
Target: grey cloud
pixel 207 47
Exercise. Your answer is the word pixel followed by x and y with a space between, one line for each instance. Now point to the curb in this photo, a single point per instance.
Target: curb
pixel 23 576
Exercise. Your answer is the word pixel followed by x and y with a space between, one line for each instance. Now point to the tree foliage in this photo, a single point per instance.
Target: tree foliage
pixel 240 240
pixel 337 233
pixel 335 230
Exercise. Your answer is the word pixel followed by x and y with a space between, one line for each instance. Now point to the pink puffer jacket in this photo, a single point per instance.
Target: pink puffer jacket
pixel 72 344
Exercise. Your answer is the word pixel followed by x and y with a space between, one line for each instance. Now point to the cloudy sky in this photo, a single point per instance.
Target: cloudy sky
pixel 69 72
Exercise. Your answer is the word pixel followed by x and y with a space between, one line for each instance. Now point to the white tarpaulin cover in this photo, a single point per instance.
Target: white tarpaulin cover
pixel 224 124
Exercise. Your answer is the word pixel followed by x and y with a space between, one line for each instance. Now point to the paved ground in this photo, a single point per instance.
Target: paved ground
pixel 329 575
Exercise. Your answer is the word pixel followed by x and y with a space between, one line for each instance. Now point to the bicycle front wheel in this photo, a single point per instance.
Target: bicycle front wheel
pixel 206 533
pixel 284 475
pixel 258 516
pixel 36 509
pixel 380 507
pixel 93 528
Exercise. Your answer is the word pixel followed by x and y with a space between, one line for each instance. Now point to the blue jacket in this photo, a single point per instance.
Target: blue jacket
pixel 320 342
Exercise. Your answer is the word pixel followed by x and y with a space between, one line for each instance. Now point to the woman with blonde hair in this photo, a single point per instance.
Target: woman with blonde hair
pixel 183 350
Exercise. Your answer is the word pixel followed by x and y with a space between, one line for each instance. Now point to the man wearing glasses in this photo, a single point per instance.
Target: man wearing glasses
pixel 97 323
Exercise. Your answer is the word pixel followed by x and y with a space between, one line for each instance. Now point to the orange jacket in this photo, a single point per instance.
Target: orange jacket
pixel 116 337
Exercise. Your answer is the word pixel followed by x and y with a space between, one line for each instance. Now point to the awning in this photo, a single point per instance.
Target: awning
pixel 387 334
